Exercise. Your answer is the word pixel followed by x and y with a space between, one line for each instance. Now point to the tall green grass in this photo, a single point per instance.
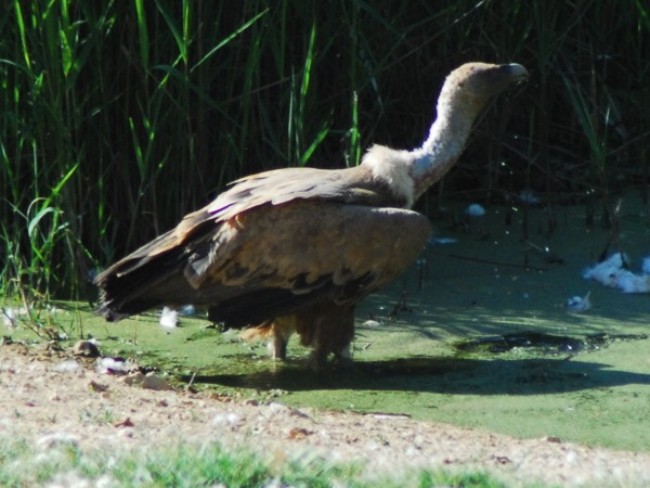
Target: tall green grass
pixel 119 117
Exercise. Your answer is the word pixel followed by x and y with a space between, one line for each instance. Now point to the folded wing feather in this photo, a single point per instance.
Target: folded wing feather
pixel 271 244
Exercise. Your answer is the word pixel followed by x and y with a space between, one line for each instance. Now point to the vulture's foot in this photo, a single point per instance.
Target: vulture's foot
pixel 317 360
pixel 344 357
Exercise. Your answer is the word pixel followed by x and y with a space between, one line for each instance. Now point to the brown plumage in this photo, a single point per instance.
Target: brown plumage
pixel 295 249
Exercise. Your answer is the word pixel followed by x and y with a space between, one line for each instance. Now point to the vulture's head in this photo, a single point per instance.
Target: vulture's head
pixel 473 85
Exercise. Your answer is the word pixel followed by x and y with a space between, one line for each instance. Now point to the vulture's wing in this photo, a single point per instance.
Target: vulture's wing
pixel 273 243
pixel 278 260
pixel 276 187
pixel 353 185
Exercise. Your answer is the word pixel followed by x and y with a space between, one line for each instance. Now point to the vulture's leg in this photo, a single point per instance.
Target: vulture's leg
pixel 327 330
pixel 282 329
pixel 342 347
pixel 344 355
pixel 278 348
pixel 277 332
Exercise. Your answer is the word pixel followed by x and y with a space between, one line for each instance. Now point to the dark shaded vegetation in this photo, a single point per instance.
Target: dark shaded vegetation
pixel 119 117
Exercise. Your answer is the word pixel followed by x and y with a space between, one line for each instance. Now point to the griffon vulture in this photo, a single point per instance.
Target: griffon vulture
pixel 295 249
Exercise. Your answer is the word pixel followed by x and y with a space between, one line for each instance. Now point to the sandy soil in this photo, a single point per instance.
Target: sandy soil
pixel 54 397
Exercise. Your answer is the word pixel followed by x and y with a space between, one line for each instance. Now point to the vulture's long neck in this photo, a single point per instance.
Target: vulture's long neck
pixel 443 146
pixel 410 173
pixel 464 94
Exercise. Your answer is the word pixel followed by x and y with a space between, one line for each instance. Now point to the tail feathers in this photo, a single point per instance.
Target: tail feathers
pixel 113 312
pixel 154 274
pixel 134 285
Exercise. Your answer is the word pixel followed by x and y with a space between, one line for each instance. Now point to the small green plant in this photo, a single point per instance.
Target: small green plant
pixel 33 271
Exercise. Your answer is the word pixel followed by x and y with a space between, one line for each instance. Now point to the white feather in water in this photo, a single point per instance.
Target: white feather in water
pixel 475 210
pixel 612 273
pixel 579 304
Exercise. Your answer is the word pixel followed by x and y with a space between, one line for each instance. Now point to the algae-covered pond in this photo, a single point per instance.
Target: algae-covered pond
pixel 477 334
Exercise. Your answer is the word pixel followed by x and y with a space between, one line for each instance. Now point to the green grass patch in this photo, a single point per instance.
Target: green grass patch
pixel 211 465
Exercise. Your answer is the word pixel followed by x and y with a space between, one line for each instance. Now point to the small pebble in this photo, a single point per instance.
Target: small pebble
pixel 371 323
pixel 86 349
pixel 153 382
pixel 225 419
pixel 136 378
pixel 114 366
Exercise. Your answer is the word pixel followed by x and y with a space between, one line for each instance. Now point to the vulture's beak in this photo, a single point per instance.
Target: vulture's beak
pixel 516 71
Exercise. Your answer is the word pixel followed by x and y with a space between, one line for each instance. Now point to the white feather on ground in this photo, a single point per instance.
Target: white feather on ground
pixel 169 318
